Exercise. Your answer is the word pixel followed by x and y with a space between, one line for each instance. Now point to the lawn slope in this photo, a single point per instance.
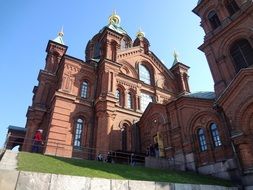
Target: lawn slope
pixel 57 165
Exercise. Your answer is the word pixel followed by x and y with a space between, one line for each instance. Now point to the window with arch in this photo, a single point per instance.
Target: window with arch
pixel 215 135
pixel 202 140
pixel 129 100
pixel 144 73
pixel 117 94
pixel 214 20
pixel 242 53
pixel 96 52
pixel 145 99
pixel 78 132
pixel 123 44
pixel 232 7
pixel 84 90
pixel 119 97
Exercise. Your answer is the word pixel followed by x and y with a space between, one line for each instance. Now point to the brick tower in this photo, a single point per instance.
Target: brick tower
pixel 228 46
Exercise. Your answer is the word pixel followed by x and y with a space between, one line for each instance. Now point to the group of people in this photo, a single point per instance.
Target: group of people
pixel 108 158
pixel 153 150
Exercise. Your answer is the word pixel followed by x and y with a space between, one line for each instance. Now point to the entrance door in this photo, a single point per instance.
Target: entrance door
pixel 159 140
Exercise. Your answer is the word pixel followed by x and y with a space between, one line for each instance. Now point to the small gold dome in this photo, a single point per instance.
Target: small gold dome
pixel 114 18
pixel 140 34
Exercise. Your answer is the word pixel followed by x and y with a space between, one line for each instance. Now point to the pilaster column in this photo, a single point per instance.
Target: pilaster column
pixel 31 126
pixel 103 132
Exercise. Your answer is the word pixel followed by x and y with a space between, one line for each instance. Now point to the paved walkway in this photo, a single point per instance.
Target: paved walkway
pixel 9 160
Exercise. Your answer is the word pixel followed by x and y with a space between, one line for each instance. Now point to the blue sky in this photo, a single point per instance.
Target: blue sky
pixel 27 25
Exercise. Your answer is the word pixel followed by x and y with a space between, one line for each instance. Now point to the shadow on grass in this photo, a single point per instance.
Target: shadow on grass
pixel 88 168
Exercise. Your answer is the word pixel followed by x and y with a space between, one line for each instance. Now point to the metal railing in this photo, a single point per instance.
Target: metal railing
pixel 61 149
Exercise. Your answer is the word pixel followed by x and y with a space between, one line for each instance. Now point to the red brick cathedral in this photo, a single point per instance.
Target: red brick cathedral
pixel 123 98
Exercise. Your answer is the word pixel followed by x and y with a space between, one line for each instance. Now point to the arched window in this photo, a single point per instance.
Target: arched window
pixel 96 52
pixel 114 50
pixel 145 99
pixel 84 90
pixel 215 135
pixel 214 19
pixel 78 132
pixel 129 101
pixel 202 140
pixel 242 54
pixel 118 95
pixel 123 44
pixel 232 7
pixel 144 74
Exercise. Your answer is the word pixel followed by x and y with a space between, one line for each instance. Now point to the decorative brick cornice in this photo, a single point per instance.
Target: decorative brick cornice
pixel 129 52
pixel 125 83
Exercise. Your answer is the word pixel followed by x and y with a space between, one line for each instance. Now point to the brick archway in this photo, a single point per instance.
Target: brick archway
pixel 126 135
pixel 203 120
pixel 245 141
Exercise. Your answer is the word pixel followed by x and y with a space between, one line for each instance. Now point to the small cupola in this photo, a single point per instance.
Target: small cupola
pixel 59 38
pixel 180 72
pixel 141 41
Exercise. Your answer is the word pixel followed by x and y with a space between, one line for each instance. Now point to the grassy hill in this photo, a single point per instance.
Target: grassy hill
pixel 57 165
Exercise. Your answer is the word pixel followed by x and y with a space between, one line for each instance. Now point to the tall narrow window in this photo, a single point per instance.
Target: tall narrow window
pixel 214 19
pixel 78 133
pixel 232 7
pixel 96 53
pixel 114 50
pixel 144 74
pixel 84 90
pixel 119 97
pixel 145 99
pixel 202 140
pixel 123 44
pixel 215 135
pixel 129 101
pixel 242 54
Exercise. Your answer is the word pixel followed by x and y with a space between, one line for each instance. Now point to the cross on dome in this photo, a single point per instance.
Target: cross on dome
pixel 175 54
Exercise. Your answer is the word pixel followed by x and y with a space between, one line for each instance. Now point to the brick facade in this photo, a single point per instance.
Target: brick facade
pixel 112 66
pixel 187 128
pixel 97 105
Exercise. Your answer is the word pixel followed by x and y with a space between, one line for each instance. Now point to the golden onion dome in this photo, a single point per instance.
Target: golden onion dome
pixel 140 34
pixel 114 19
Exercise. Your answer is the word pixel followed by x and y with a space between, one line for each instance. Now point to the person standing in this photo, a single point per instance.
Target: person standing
pixel 37 141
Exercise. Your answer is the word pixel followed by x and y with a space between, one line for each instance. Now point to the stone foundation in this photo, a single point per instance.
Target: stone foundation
pixel 40 181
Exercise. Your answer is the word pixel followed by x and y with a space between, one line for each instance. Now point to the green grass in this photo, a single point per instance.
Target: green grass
pixel 57 165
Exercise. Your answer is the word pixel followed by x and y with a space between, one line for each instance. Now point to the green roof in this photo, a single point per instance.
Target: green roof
pixel 114 27
pixel 200 1
pixel 202 95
